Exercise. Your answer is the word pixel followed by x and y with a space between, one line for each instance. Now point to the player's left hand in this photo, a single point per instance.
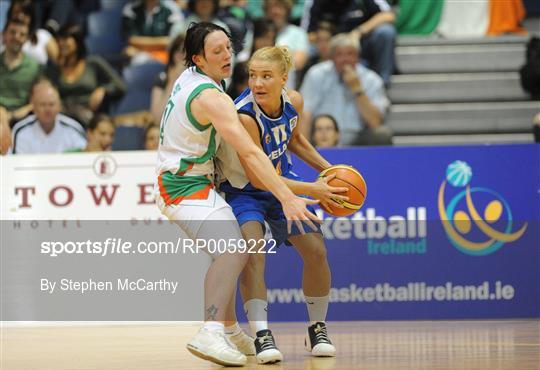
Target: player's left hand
pixel 295 210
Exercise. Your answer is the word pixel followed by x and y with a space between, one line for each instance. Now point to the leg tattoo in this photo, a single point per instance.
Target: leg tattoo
pixel 211 313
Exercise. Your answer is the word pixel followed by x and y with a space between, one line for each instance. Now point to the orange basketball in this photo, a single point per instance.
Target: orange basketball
pixel 348 177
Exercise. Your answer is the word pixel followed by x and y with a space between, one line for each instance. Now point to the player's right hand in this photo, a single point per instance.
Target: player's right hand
pixel 327 194
pixel 295 210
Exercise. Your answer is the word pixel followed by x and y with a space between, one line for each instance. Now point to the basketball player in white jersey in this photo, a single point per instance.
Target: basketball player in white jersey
pixel 198 115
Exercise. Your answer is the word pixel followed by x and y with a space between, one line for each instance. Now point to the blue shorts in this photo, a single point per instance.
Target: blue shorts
pixel 262 206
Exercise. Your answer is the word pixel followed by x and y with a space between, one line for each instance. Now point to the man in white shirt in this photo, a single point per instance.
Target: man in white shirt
pixel 353 94
pixel 46 130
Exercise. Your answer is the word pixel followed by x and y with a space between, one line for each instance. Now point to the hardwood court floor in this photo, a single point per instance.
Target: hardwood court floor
pixel 436 345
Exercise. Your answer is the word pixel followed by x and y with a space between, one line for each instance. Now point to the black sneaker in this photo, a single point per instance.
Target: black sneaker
pixel 265 346
pixel 317 341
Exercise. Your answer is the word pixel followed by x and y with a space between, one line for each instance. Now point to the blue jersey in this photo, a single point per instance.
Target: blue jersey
pixel 274 133
pixel 247 202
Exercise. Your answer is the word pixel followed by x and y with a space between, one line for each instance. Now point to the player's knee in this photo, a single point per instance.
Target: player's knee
pixel 315 255
pixel 243 258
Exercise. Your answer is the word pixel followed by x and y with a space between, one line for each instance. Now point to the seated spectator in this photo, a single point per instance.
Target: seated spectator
pixel 181 5
pixel 41 45
pixel 322 35
pixel 234 14
pixel 146 25
pixel 256 9
pixel 53 15
pixel 325 133
pixel 151 137
pixel 264 34
pixel 350 92
pixel 199 11
pixel 530 71
pixel 290 35
pixel 161 90
pixel 87 84
pixel 46 130
pixel 17 71
pixel 371 21
pixel 100 134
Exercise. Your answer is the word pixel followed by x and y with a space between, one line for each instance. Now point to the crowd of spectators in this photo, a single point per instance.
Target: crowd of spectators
pixel 57 95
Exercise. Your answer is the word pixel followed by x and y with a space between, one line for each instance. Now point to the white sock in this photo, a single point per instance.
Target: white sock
pixel 213 326
pixel 317 308
pixel 256 312
pixel 233 329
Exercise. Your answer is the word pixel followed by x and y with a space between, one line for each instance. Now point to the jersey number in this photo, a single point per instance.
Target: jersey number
pixel 164 118
pixel 280 134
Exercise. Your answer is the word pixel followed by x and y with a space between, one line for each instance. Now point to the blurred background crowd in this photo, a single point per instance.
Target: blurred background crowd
pixel 95 75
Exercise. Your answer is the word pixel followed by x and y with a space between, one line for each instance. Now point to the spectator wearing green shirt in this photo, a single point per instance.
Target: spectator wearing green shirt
pixel 17 71
pixel 146 26
pixel 199 11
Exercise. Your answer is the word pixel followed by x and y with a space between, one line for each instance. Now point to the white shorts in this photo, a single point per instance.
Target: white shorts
pixel 191 215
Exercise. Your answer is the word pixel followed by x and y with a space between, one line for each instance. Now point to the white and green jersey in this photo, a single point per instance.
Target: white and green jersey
pixel 187 148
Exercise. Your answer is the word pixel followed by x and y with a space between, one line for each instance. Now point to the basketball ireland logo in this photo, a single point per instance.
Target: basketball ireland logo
pixel 468 230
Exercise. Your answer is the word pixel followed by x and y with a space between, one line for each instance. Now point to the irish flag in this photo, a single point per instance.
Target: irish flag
pixel 460 18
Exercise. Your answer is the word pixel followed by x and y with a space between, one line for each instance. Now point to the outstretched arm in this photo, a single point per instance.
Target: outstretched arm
pixel 215 107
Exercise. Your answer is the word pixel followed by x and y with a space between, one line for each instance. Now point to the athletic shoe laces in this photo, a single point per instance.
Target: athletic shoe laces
pixel 266 342
pixel 321 335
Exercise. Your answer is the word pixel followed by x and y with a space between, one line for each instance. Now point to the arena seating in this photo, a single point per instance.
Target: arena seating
pixel 139 79
pixel 460 91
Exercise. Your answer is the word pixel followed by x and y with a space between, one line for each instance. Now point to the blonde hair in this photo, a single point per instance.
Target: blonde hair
pixel 276 54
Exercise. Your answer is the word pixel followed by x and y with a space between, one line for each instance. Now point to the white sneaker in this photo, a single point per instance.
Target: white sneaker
pixel 317 341
pixel 211 345
pixel 243 342
pixel 265 345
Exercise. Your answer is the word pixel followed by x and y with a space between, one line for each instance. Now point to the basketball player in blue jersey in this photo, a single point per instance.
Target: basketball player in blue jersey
pixel 270 114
